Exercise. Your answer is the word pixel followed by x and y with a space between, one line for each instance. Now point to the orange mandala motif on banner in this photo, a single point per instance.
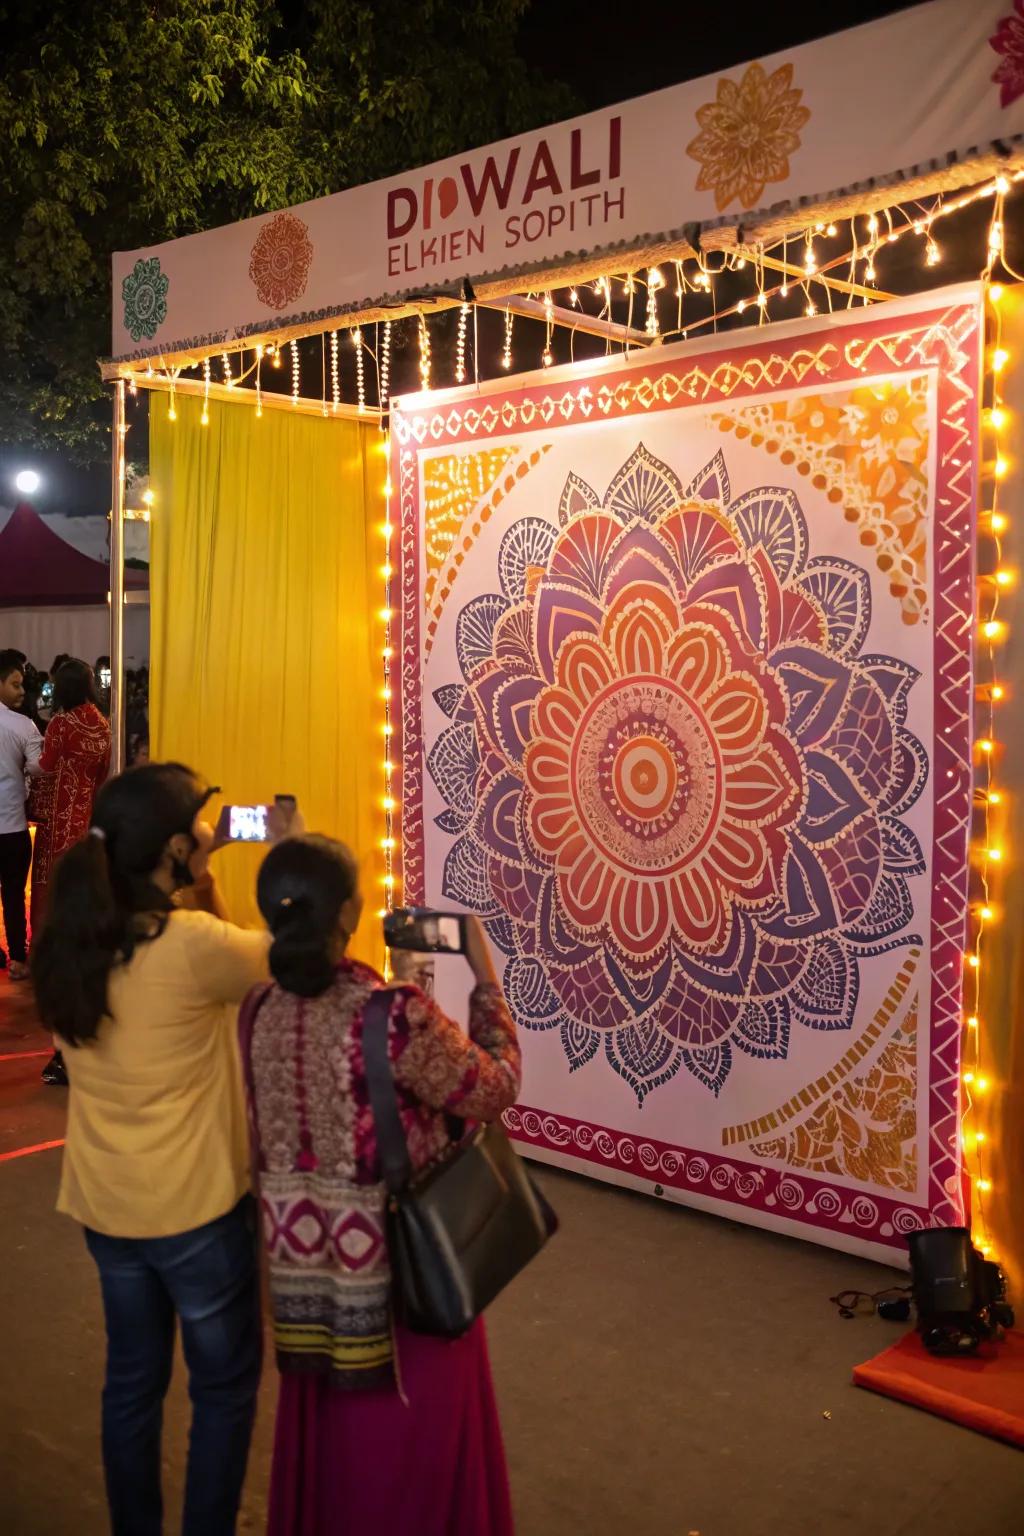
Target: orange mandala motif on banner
pixel 747 135
pixel 280 261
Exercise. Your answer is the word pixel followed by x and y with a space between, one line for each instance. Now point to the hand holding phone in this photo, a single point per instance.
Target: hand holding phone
pixel 259 823
pixel 426 932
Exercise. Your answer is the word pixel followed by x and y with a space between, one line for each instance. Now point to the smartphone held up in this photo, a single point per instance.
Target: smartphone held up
pixel 425 932
pixel 257 823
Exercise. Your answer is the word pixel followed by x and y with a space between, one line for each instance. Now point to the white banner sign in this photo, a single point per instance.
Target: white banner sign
pixel 911 93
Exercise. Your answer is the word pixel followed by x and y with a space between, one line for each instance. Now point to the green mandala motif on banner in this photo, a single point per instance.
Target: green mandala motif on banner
pixel 144 292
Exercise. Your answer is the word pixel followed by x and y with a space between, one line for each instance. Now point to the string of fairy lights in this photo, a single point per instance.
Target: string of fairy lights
pixel 799 263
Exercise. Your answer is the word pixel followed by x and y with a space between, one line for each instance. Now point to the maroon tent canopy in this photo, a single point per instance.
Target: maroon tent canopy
pixel 38 567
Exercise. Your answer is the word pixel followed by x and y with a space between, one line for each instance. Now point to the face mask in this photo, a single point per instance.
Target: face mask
pixel 181 870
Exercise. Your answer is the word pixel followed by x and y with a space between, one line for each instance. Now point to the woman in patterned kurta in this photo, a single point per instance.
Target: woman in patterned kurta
pixel 378 1429
pixel 75 761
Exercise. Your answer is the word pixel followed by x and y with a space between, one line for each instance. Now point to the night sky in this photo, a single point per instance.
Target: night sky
pixel 604 60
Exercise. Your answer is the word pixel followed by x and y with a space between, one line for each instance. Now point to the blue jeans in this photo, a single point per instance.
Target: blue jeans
pixel 209 1278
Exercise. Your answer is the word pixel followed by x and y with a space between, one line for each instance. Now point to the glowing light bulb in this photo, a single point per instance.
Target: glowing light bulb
pixel 992 629
pixel 812 309
pixel 869 272
pixel 1003 577
pixel 972 1022
pixel 385 693
pixel 784 290
pixel 986 914
pixel 1002 185
pixel 973 962
pixel 386 615
pixel 981 1138
pixel 388 652
pixel 387 842
pixel 388 729
pixel 982 1085
pixel 932 254
pixel 996 292
pixel 1000 522
pixel 149 498
pixel 831 231
pixel 968 1078
pixel 762 300
pixel 1000 358
pixel 998 692
pixel 994 797
pixel 1002 468
pixel 985 744
pixel 204 420
pixel 997 417
pixel 984 1185
pixel 388 803
pixel 741 306
pixel 995 854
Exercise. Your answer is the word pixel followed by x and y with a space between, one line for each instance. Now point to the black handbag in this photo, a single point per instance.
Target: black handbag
pixel 462 1229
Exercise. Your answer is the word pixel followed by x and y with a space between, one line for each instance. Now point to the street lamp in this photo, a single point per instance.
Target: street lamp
pixel 27 482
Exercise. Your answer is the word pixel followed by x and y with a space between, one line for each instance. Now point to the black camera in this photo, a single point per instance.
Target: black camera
pixel 960 1296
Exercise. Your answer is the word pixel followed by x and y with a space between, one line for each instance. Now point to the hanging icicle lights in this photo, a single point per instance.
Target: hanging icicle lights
pixel 385 367
pixel 357 342
pixel 335 384
pixel 460 348
pixel 424 333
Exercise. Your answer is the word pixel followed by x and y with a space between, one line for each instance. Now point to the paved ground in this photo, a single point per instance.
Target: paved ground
pixel 660 1372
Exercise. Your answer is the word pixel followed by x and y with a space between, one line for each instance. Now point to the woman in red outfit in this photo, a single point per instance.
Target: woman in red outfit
pixel 378 1429
pixel 75 761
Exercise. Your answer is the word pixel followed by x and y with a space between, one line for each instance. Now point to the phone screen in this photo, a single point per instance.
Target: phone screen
pixel 247 823
pixel 442 932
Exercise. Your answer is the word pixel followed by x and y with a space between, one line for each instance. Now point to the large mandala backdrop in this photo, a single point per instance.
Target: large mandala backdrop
pixel 677 695
pixel 676 778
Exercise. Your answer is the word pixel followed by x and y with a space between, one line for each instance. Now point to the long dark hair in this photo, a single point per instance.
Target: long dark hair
pixel 303 884
pixel 74 684
pixel 101 886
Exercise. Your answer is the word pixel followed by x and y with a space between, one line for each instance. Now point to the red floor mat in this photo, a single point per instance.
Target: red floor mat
pixel 986 1393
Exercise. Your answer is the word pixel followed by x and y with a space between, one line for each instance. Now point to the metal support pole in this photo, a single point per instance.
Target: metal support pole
pixel 117 741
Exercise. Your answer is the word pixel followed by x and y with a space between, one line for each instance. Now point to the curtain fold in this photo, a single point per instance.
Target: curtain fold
pixel 264 587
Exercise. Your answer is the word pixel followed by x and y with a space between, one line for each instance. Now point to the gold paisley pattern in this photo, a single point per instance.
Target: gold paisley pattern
pixel 866 448
pixel 867 1128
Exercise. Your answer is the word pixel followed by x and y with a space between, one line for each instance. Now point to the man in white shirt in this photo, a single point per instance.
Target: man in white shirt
pixel 20 746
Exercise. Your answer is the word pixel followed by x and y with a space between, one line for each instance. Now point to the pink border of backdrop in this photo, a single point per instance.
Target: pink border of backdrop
pixel 945 335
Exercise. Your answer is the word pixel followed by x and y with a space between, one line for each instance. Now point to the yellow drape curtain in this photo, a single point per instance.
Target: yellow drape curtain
pixel 264 588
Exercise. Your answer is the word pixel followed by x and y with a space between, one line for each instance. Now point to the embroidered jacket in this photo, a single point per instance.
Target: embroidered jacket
pixel 315 1153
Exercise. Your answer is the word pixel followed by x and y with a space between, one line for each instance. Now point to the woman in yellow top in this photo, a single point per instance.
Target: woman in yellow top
pixel 138 973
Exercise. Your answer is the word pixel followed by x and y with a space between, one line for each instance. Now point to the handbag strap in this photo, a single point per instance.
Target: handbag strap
pixel 392 1151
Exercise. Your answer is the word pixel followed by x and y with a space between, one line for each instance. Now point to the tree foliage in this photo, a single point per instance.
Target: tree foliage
pixel 135 121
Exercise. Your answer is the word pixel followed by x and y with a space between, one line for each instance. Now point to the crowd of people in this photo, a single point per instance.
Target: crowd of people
pixel 181 1108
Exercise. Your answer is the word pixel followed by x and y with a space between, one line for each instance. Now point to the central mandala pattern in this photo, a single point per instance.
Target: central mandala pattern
pixel 673 781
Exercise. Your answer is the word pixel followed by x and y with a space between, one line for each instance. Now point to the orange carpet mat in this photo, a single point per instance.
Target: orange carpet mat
pixel 985 1393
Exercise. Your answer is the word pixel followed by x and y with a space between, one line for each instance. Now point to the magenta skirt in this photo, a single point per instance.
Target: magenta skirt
pixel 355 1463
